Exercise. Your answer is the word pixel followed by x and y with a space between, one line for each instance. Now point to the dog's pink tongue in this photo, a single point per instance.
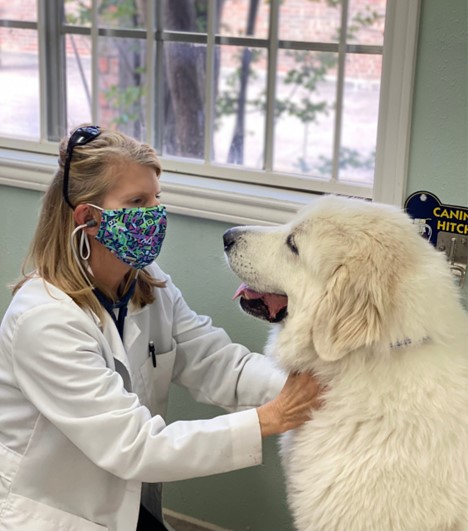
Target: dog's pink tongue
pixel 273 302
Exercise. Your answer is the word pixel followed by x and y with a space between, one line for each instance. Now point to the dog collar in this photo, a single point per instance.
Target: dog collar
pixel 407 342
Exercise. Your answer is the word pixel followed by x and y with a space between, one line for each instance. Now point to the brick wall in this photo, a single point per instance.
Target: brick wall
pixel 317 21
pixel 313 20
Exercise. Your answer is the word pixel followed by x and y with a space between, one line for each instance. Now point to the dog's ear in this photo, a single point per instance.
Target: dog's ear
pixel 349 314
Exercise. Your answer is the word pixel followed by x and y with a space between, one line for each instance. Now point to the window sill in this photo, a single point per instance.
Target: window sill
pixel 200 197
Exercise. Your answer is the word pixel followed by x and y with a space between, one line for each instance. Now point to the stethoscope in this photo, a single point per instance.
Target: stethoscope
pixel 121 305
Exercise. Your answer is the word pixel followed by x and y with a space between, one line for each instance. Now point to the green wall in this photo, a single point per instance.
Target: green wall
pixel 254 499
pixel 439 143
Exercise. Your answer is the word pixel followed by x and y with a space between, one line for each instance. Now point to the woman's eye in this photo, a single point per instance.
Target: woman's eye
pixel 292 244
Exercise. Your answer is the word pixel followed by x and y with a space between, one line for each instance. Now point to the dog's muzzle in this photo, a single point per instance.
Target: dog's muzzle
pixel 267 306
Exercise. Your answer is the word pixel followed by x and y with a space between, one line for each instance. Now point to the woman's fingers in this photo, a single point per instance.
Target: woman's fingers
pixel 293 406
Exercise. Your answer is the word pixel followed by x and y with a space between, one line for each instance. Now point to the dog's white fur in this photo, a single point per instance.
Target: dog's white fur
pixel 389 449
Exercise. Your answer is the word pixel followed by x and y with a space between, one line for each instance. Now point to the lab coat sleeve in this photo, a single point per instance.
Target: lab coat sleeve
pixel 58 364
pixel 215 370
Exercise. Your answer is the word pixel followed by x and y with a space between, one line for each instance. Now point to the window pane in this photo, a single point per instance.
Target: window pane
pixel 186 15
pixel 238 19
pixel 122 83
pixel 24 10
pixel 78 64
pixel 366 22
pixel 240 104
pixel 19 83
pixel 118 14
pixel 306 20
pixel 78 12
pixel 184 116
pixel 305 112
pixel 360 111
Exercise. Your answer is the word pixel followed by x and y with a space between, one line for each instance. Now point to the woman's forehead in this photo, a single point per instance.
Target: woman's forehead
pixel 130 177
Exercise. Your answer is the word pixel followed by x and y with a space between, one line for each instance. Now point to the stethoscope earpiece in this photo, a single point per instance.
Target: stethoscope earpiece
pixel 91 223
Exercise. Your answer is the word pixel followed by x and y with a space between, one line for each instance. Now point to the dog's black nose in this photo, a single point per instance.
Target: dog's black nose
pixel 229 238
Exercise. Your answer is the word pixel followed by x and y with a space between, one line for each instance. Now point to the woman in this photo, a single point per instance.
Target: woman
pixel 84 385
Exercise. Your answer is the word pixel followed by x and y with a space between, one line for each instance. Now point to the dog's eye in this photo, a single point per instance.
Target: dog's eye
pixel 292 244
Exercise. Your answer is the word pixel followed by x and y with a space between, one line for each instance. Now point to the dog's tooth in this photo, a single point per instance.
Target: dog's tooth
pixel 240 291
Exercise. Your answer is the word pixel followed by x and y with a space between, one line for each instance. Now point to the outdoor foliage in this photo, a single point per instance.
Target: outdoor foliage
pixel 184 72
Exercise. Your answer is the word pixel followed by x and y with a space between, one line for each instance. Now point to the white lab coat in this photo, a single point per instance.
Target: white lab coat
pixel 82 416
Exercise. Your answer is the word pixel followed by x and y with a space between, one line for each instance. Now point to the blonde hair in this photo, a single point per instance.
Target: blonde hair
pixel 90 179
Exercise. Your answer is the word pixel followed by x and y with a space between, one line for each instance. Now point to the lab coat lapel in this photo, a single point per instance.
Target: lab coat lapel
pixel 131 332
pixel 122 365
pixel 118 348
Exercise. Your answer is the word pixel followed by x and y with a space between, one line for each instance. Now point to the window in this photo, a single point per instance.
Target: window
pixel 289 96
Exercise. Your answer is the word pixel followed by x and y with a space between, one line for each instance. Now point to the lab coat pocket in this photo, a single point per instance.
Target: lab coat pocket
pixel 158 379
pixel 24 514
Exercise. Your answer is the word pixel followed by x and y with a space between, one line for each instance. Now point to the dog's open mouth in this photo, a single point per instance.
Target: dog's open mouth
pixel 271 307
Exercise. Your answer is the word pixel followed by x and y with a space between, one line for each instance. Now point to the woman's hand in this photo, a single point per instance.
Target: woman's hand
pixel 292 407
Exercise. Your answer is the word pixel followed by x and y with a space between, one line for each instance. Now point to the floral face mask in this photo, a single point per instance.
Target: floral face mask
pixel 135 235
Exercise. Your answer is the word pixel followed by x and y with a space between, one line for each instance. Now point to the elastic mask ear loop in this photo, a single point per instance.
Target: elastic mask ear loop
pixel 85 249
pixel 75 252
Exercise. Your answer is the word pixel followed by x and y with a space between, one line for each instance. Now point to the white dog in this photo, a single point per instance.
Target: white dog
pixel 370 307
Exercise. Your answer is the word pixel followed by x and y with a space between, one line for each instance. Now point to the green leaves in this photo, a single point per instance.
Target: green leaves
pixel 126 101
pixel 349 159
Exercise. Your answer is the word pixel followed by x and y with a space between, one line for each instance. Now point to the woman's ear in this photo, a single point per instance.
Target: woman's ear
pixel 83 215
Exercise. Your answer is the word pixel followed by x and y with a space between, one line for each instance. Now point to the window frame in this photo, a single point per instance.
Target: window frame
pixel 194 189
